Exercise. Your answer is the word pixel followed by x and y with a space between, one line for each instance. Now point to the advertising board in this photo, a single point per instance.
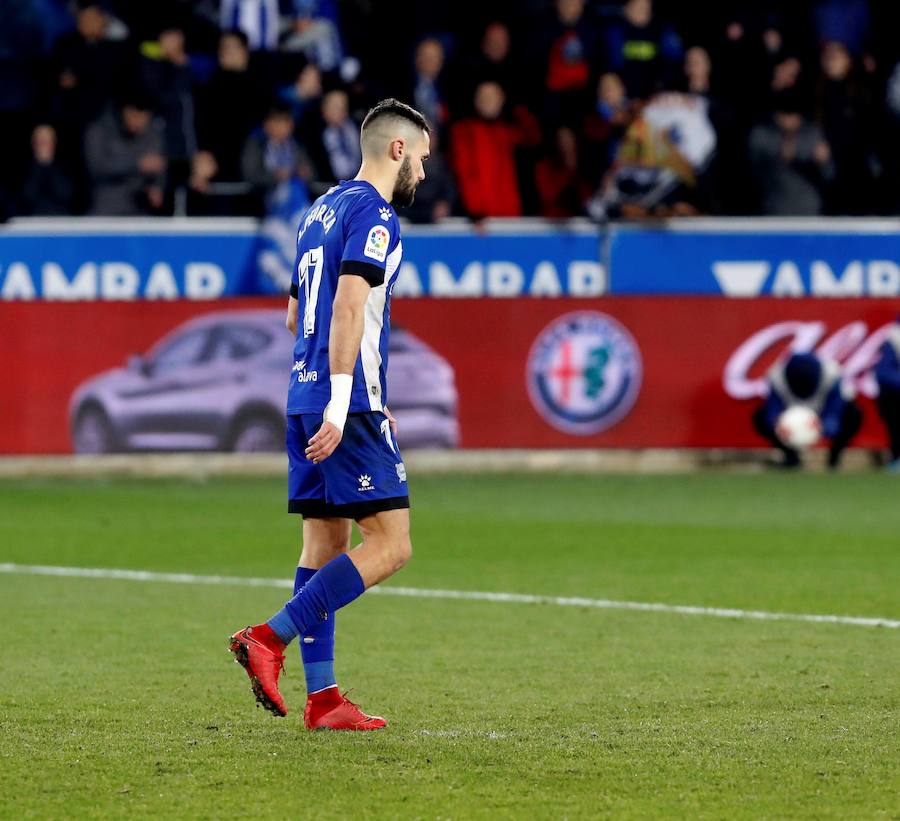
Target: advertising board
pixel 615 372
pixel 200 259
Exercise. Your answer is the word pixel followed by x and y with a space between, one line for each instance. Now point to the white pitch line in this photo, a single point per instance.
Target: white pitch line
pixel 467 595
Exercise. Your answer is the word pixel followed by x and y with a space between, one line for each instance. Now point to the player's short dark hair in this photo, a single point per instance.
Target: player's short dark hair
pixel 394 108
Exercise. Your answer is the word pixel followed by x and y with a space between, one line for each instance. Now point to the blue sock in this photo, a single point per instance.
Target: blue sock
pixel 317 644
pixel 331 588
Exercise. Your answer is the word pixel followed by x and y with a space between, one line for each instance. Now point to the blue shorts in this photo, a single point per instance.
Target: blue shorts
pixel 364 475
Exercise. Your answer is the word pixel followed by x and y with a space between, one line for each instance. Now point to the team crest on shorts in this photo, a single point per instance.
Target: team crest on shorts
pixel 584 373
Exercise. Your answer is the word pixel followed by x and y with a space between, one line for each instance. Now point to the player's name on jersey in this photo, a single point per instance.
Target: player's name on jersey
pixel 324 214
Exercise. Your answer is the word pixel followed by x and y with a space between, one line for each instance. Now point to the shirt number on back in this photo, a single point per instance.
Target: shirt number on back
pixel 310 271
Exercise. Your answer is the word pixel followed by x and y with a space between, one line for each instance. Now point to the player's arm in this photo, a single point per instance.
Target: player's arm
pixel 347 321
pixel 390 418
pixel 293 309
pixel 290 321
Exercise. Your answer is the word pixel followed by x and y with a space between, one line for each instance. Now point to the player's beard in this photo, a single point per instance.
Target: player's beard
pixel 406 185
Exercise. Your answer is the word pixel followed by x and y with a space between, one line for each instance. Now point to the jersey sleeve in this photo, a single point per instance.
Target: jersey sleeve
pixel 295 272
pixel 295 277
pixel 371 235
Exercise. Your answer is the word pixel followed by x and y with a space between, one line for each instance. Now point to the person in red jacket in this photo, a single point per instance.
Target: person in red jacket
pixel 482 154
pixel 561 186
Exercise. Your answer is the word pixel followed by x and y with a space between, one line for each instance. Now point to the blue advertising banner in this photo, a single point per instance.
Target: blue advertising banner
pixel 126 262
pixel 207 259
pixel 535 263
pixel 743 258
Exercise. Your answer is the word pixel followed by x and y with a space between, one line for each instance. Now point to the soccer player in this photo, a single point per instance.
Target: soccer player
pixel 887 374
pixel 806 379
pixel 343 460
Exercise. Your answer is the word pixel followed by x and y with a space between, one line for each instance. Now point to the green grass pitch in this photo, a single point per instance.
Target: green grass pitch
pixel 118 699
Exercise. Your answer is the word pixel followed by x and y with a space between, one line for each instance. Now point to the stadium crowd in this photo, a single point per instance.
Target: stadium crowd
pixel 556 108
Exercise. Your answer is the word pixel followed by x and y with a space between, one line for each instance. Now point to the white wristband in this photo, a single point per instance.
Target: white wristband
pixel 336 410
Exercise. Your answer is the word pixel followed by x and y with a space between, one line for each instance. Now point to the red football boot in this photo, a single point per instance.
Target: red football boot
pixel 329 709
pixel 259 651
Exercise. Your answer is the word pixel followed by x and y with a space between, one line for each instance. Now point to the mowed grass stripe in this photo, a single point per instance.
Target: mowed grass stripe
pixel 468 595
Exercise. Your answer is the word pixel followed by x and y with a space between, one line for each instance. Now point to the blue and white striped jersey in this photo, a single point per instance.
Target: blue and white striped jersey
pixel 260 20
pixel 350 230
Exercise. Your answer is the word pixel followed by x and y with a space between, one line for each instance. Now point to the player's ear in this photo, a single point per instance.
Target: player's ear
pixel 398 146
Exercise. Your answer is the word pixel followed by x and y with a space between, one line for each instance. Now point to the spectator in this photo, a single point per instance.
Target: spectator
pixel 698 82
pixel 93 65
pixel 568 45
pixel 125 161
pixel 787 71
pixel 847 21
pixel 893 93
pixel 845 116
pixel 259 20
pixel 305 94
pixel 791 161
pixel 493 62
pixel 426 94
pixel 482 155
pixel 21 42
pixel 784 36
pixel 201 199
pixel 887 374
pixel 230 107
pixel 806 379
pixel 645 53
pixel 604 127
pixel 55 19
pixel 340 155
pixel 562 188
pixel 48 189
pixel 660 161
pixel 436 195
pixel 198 19
pixel 742 71
pixel 314 31
pixel 889 136
pixel 90 67
pixel 167 78
pixel 727 181
pixel 272 157
pixel 761 53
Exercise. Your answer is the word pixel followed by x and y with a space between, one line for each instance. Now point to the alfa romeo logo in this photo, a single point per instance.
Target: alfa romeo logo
pixel 584 373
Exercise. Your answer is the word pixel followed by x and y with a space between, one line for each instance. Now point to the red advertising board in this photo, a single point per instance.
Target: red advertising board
pixel 624 372
pixel 687 346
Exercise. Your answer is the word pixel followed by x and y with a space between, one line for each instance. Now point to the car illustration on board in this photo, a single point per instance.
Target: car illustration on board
pixel 219 382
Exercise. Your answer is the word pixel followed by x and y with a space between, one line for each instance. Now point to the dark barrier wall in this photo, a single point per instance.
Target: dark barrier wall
pixel 611 372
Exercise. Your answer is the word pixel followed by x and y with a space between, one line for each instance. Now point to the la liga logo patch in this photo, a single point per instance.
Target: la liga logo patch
pixel 377 243
pixel 584 373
